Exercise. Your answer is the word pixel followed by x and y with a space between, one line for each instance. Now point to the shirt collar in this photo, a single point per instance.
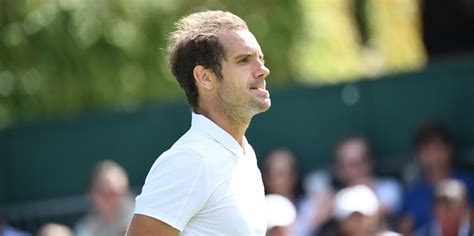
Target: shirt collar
pixel 207 126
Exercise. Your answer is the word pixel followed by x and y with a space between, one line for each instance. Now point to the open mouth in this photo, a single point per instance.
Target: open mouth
pixel 260 91
pixel 258 88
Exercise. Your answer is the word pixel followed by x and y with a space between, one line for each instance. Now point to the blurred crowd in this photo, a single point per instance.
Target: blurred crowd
pixel 434 199
pixel 428 197
pixel 111 207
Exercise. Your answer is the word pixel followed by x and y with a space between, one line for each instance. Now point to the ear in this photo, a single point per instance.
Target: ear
pixel 204 78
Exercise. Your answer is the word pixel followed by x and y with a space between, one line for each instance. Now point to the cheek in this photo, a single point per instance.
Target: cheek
pixel 232 82
pixel 240 75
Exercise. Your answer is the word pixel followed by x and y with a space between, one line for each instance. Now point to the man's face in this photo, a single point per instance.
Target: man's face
pixel 435 154
pixel 450 214
pixel 280 178
pixel 109 192
pixel 352 161
pixel 242 91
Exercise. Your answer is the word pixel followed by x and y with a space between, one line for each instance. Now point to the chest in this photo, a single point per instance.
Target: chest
pixel 237 204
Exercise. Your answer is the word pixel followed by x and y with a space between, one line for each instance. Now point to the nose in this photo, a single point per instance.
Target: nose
pixel 262 71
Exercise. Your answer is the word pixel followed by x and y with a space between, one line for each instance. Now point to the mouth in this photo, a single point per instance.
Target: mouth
pixel 259 87
pixel 260 90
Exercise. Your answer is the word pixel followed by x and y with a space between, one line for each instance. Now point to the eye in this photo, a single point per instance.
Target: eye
pixel 244 60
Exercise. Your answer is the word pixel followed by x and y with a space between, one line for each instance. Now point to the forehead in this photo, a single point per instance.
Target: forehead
pixel 352 148
pixel 239 42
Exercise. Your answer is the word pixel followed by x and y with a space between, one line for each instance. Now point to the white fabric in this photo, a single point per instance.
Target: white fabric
pixel 280 211
pixel 389 193
pixel 358 198
pixel 206 184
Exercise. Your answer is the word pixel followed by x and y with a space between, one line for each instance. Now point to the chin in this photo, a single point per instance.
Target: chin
pixel 263 107
pixel 268 105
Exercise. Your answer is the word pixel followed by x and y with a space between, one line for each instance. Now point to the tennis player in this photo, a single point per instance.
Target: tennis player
pixel 208 182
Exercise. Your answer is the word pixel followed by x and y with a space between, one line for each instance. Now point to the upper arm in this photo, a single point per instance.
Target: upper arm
pixel 142 225
pixel 175 190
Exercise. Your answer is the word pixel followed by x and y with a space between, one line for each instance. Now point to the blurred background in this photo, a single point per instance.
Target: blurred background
pixel 83 81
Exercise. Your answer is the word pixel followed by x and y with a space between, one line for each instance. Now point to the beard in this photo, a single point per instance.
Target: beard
pixel 241 107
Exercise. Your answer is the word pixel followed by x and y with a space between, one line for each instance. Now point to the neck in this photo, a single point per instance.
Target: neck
pixel 438 173
pixel 367 181
pixel 235 126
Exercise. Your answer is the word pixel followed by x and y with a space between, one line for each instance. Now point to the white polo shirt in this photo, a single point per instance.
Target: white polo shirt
pixel 206 184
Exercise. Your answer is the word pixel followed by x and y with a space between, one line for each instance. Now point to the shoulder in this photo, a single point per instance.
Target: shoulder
pixel 388 183
pixel 197 142
pixel 185 148
pixel 177 161
pixel 386 186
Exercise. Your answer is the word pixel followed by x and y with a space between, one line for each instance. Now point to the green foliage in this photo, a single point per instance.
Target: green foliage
pixel 346 39
pixel 62 57
pixel 65 56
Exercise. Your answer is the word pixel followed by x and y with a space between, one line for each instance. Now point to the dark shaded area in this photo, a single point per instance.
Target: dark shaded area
pixel 448 27
pixel 361 19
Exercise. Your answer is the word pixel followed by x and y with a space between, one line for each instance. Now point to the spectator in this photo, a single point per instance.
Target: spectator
pixel 113 205
pixel 354 166
pixel 434 148
pixel 355 213
pixel 451 211
pixel 54 230
pixel 280 174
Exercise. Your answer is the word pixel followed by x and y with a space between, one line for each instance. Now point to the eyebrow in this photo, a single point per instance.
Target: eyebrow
pixel 242 56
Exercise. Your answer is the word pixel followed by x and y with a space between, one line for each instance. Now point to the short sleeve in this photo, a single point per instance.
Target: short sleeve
pixel 175 189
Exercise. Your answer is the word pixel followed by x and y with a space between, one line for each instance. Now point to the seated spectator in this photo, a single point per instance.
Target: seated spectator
pixel 355 213
pixel 281 214
pixel 111 200
pixel 434 149
pixel 280 174
pixel 54 230
pixel 451 211
pixel 354 166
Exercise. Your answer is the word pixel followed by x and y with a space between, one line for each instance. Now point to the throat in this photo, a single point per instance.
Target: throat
pixel 233 124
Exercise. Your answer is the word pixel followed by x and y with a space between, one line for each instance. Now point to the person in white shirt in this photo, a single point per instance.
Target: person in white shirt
pixel 208 182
